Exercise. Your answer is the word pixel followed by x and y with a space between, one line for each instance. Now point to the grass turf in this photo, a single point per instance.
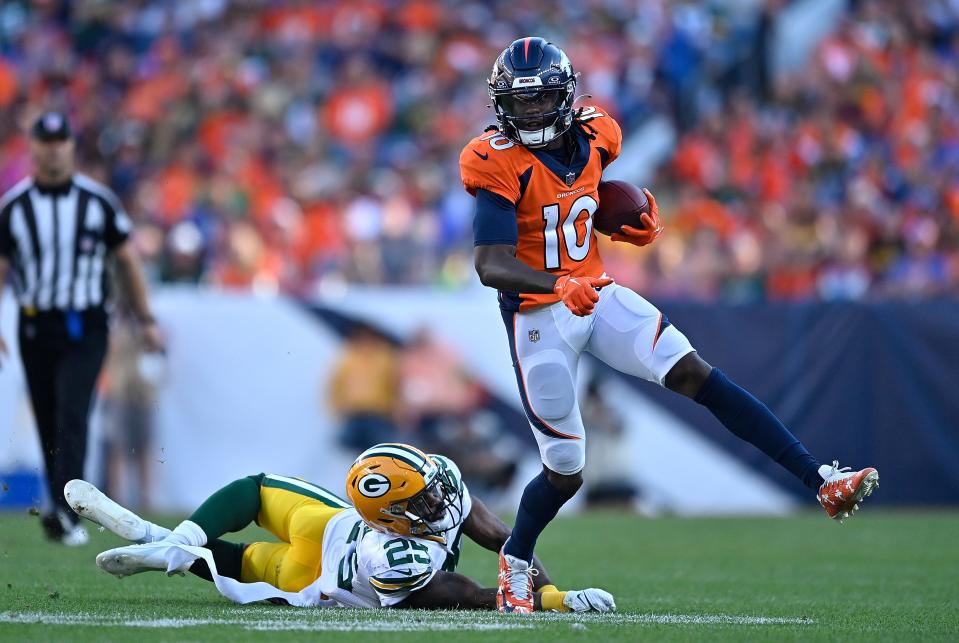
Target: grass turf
pixel 886 576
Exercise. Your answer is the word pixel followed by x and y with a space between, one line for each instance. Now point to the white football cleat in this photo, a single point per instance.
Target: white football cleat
pixel 59 526
pixel 75 536
pixel 134 559
pixel 91 503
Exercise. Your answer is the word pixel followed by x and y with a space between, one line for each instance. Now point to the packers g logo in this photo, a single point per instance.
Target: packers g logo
pixel 373 485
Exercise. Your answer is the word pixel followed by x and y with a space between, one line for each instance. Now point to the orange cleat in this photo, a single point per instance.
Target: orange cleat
pixel 843 489
pixel 515 594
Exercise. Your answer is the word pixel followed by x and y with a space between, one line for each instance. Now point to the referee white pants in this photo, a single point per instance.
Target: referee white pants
pixel 625 331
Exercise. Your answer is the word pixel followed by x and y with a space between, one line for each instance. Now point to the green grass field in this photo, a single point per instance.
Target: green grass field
pixel 887 576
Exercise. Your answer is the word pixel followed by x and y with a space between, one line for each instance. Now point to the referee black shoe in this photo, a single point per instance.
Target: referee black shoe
pixel 58 527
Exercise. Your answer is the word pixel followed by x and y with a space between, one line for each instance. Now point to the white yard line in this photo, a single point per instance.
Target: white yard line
pixel 257 624
pixel 709 619
pixel 342 620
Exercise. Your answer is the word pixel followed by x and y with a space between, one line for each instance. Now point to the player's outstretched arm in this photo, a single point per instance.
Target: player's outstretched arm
pixel 449 590
pixel 498 267
pixel 485 529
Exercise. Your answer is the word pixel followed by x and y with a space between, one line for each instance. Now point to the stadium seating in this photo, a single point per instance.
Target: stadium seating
pixel 284 145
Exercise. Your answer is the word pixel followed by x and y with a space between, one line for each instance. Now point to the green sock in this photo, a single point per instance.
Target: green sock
pixel 227 556
pixel 230 509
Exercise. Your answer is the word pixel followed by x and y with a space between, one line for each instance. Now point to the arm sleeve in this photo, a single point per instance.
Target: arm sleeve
pixel 495 220
pixel 118 226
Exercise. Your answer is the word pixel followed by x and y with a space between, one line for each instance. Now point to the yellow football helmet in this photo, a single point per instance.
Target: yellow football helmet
pixel 398 489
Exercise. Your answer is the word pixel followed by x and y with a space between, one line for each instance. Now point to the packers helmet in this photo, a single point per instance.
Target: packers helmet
pixel 398 489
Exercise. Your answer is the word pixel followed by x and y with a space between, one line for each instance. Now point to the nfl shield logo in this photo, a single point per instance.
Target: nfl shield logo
pixel 534 336
pixel 570 179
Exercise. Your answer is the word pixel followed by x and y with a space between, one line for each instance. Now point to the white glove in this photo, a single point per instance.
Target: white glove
pixel 590 600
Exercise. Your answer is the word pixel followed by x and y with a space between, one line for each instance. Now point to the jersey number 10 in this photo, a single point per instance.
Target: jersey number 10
pixel 574 250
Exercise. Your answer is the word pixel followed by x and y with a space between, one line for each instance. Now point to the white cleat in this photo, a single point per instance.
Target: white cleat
pixel 75 536
pixel 134 559
pixel 91 503
pixel 61 527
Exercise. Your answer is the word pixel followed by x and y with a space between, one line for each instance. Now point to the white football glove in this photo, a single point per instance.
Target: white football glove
pixel 590 600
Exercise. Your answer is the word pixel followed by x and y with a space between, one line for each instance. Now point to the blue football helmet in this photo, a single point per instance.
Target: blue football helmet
pixel 533 87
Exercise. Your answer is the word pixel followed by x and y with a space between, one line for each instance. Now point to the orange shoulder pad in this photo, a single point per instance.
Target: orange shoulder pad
pixel 608 135
pixel 489 162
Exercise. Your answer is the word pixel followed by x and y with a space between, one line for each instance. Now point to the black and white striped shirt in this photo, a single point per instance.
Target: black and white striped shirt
pixel 58 240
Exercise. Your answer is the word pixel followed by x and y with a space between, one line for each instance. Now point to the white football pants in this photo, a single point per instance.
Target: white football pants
pixel 625 331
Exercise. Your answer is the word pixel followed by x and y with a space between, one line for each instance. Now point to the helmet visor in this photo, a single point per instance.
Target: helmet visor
pixel 533 110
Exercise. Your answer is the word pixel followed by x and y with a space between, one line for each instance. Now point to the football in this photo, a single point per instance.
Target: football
pixel 620 203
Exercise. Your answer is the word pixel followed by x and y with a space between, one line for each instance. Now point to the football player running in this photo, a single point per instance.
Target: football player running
pixel 397 546
pixel 535 177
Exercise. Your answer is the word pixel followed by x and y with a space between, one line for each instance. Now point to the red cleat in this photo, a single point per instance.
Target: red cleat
pixel 515 594
pixel 843 489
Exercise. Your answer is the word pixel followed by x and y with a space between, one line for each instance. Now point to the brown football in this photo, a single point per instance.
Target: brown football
pixel 620 203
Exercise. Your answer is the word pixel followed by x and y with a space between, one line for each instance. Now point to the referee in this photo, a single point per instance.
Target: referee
pixel 58 232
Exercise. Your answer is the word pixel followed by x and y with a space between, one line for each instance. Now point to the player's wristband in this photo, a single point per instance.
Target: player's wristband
pixel 553 602
pixel 548 588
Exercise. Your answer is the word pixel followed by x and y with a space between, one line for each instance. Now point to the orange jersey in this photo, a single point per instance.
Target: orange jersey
pixel 554 203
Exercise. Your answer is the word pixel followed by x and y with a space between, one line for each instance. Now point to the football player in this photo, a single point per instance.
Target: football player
pixel 535 177
pixel 397 546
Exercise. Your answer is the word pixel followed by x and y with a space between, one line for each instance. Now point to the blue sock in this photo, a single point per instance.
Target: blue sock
pixel 541 501
pixel 751 420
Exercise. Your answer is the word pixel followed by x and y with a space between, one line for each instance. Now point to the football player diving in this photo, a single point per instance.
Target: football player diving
pixel 396 546
pixel 535 177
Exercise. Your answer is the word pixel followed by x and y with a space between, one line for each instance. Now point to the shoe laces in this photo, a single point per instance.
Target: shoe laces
pixel 835 470
pixel 519 581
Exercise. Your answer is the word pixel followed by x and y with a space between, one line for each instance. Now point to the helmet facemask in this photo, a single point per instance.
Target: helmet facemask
pixel 437 508
pixel 534 119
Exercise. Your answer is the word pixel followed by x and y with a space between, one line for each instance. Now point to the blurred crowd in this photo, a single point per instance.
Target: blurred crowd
pixel 128 396
pixel 294 144
pixel 284 144
pixel 839 183
pixel 420 392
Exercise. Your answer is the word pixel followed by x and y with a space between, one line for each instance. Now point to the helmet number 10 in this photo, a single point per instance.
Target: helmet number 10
pixel 575 249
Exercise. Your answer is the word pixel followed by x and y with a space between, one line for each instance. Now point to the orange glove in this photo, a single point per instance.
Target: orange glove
pixel 579 293
pixel 653 228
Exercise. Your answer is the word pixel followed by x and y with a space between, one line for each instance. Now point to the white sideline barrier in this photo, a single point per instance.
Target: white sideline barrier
pixel 681 471
pixel 245 388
